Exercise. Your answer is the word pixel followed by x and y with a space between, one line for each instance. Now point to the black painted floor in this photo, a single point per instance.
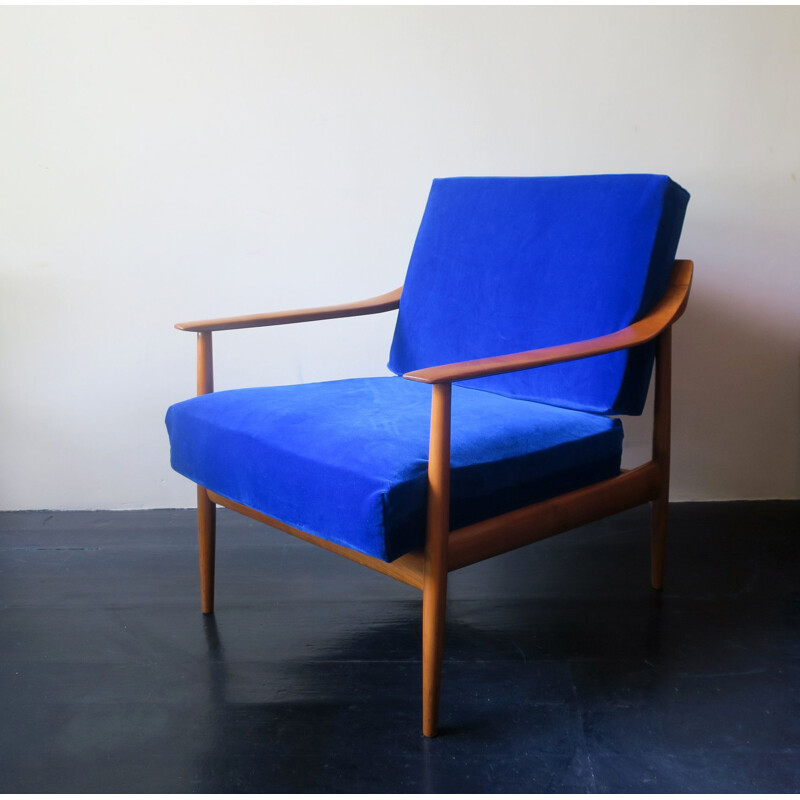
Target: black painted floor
pixel 562 671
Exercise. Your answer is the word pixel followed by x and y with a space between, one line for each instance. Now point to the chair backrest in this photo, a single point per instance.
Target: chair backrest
pixel 502 265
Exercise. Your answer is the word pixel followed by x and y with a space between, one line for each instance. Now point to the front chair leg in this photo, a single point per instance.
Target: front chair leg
pixel 206 536
pixel 434 600
pixel 434 581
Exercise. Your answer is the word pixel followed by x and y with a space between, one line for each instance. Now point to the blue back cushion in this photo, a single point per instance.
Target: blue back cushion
pixel 502 265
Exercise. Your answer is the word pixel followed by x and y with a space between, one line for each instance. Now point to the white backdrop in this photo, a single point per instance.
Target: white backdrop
pixel 161 164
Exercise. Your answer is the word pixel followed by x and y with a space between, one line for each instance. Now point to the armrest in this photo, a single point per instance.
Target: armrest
pixel 375 305
pixel 664 314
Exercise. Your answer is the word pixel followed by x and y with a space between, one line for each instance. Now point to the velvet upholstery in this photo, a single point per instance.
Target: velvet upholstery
pixel 502 265
pixel 346 460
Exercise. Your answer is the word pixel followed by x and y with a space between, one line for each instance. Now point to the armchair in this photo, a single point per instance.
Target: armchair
pixel 532 313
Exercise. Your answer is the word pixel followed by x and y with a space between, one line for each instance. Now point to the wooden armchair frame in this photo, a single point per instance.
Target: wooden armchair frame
pixel 447 550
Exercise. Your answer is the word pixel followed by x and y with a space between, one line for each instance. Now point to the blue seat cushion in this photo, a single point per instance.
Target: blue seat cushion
pixel 347 460
pixel 502 265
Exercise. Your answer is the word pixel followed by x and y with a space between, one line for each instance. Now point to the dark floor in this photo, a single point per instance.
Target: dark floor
pixel 562 671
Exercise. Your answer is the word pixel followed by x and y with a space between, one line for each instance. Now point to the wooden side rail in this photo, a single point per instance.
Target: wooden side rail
pixel 563 513
pixel 494 536
pixel 664 314
pixel 406 569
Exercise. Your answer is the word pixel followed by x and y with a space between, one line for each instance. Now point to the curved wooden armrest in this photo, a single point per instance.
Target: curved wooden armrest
pixel 666 311
pixel 375 305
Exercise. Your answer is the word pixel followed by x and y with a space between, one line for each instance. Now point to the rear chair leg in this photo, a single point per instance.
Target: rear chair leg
pixel 661 453
pixel 206 535
pixel 658 524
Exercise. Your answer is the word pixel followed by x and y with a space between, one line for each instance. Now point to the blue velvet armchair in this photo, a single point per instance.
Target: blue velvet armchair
pixel 531 315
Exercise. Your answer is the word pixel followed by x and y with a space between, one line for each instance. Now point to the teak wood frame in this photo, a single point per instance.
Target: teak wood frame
pixel 447 550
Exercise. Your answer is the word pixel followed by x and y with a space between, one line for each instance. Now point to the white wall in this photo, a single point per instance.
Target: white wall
pixel 160 164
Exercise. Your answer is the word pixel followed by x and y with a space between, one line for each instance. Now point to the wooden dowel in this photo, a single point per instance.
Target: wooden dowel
pixel 205 364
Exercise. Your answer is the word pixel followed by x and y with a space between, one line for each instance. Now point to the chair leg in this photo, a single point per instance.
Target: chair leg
pixel 658 526
pixel 434 581
pixel 434 601
pixel 206 536
pixel 661 455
